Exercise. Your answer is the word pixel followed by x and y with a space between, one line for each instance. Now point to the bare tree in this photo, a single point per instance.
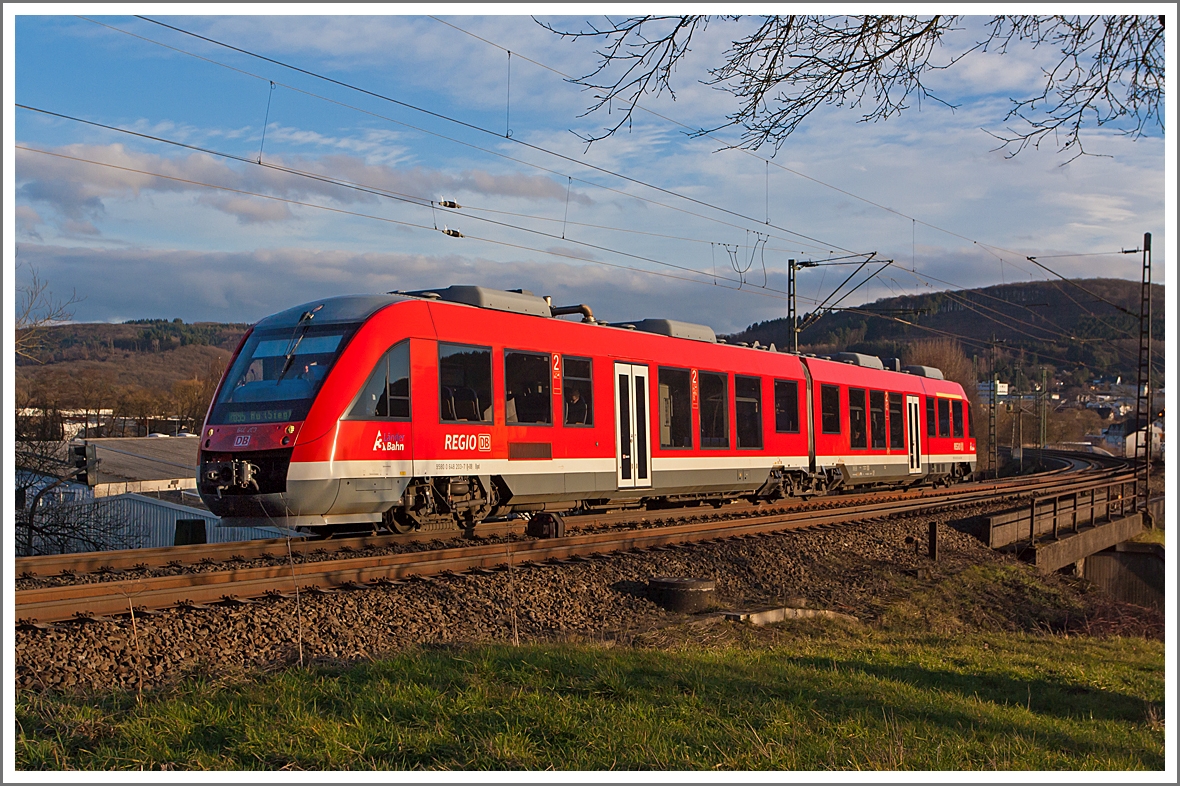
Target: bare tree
pixel 948 356
pixel 191 397
pixel 36 310
pixel 49 519
pixel 1102 70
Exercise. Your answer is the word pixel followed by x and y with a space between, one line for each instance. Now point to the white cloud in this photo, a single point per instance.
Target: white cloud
pixel 77 190
pixel 27 221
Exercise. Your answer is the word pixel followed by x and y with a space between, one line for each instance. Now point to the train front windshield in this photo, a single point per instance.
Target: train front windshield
pixel 277 374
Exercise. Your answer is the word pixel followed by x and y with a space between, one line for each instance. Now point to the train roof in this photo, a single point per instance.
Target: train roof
pixel 343 308
pixel 356 308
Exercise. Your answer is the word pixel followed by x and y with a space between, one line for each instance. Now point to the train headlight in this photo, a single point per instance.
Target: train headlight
pixel 290 429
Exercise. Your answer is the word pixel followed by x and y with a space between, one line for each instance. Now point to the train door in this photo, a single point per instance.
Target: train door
pixel 915 433
pixel 632 448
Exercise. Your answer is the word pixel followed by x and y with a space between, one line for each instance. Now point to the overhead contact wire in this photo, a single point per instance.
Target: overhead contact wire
pixel 763 293
pixel 428 132
pixel 731 146
pixel 483 130
pixel 419 201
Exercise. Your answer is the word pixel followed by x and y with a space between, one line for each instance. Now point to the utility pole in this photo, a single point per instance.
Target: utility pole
pixel 792 309
pixel 792 316
pixel 1044 410
pixel 994 400
pixel 1143 408
pixel 1020 416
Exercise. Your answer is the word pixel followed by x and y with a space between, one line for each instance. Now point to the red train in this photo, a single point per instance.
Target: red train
pixel 433 410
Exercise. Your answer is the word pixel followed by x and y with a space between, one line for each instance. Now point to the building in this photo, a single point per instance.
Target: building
pixel 1121 439
pixel 145 485
pixel 985 390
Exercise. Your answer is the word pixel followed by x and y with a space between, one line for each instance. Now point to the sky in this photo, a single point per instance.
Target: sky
pixel 648 223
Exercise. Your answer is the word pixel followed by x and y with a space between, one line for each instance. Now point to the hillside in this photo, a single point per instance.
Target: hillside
pixel 139 369
pixel 149 364
pixel 1043 322
pixel 117 342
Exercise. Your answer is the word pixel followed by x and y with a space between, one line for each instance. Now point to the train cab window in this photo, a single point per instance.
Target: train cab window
pixel 577 391
pixel 465 383
pixel 747 396
pixel 527 396
pixel 896 427
pixel 786 406
pixel 970 422
pixel 877 417
pixel 714 410
pixel 830 409
pixel 675 390
pixel 858 434
pixel 944 417
pixel 957 418
pixel 931 419
pixel 387 393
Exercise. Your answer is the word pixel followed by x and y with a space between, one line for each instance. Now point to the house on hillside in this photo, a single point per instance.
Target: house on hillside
pixel 1122 439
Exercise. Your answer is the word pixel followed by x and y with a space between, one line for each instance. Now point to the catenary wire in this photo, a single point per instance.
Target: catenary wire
pixel 986 246
pixel 574 161
pixel 410 224
pixel 730 146
pixel 372 190
pixel 481 129
pixel 421 130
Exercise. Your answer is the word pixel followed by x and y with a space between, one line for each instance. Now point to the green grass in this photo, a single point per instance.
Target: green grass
pixel 793 697
pixel 1150 536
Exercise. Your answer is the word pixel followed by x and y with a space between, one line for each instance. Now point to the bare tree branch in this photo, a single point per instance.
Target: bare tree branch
pixel 647 62
pixel 36 310
pixel 1111 68
pixel 1108 70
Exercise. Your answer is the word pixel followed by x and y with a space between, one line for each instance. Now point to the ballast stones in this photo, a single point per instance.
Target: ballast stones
pixel 681 594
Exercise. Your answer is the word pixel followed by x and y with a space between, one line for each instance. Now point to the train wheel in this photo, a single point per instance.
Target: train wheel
pixel 397 522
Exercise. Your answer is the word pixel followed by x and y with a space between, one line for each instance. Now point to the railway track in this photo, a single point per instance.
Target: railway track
pixel 592 537
pixel 1088 469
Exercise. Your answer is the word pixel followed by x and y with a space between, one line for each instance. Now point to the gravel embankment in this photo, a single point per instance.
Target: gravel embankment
pixel 859 570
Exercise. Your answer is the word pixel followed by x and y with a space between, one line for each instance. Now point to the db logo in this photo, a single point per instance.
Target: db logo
pixel 241 440
pixel 482 442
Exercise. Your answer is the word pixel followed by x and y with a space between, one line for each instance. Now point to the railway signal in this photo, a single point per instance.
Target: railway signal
pixel 86 463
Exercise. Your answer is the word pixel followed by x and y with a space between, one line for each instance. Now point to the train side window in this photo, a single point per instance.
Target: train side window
pixel 714 410
pixel 896 427
pixel 957 418
pixel 944 417
pixel 675 389
pixel 970 422
pixel 858 434
pixel 786 406
pixel 830 409
pixel 577 390
pixel 527 396
pixel 931 420
pixel 877 417
pixel 387 392
pixel 747 396
pixel 465 383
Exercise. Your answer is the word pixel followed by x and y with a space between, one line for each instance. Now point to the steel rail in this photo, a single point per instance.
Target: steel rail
pixel 123 559
pixel 53 604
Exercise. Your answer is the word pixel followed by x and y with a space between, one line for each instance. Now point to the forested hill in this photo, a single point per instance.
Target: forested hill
pixel 1052 322
pixel 104 341
pixel 154 366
